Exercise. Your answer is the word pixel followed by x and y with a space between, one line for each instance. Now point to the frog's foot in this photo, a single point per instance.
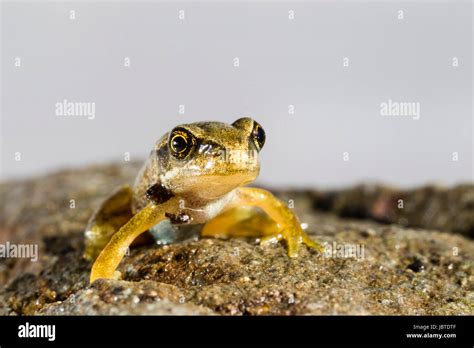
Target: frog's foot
pixel 245 221
pixel 294 238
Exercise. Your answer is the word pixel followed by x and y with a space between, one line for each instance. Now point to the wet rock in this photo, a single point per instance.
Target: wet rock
pixel 368 268
pixel 429 207
pixel 114 297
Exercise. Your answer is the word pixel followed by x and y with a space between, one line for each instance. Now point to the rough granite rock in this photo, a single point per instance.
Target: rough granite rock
pixel 403 270
pixel 433 207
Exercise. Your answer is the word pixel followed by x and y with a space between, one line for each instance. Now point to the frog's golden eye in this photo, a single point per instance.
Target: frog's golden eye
pixel 258 136
pixel 181 143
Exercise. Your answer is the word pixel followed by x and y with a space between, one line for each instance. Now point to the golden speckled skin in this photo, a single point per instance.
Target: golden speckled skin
pixel 195 175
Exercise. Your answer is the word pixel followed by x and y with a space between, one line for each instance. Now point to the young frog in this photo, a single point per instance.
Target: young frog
pixel 194 175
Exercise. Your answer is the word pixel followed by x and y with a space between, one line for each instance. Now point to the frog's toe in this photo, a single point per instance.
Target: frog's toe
pixel 117 275
pixel 311 243
pixel 293 241
pixel 295 238
pixel 270 239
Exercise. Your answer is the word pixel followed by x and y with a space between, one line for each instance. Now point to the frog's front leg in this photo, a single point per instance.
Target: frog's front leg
pixel 281 222
pixel 112 214
pixel 110 257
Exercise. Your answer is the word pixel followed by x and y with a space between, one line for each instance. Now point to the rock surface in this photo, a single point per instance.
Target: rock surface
pixel 399 269
pixel 434 207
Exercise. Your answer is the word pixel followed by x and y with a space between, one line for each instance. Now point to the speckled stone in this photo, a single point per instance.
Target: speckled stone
pixel 404 270
pixel 431 207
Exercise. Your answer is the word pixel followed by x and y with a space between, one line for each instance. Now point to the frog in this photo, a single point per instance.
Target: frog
pixel 196 174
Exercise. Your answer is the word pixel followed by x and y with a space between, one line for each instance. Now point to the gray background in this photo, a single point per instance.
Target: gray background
pixel 282 62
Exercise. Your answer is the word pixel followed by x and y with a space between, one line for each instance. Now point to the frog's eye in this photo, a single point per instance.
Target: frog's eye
pixel 258 136
pixel 181 143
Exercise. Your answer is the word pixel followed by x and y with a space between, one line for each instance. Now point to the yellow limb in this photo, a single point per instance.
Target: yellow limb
pixel 112 214
pixel 240 222
pixel 110 257
pixel 288 227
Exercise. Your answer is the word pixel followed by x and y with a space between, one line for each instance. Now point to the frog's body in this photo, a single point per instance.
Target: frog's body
pixel 194 175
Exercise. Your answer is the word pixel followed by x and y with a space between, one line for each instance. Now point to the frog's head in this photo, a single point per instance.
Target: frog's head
pixel 209 159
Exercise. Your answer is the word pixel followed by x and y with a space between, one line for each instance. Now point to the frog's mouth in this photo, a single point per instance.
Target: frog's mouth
pixel 209 187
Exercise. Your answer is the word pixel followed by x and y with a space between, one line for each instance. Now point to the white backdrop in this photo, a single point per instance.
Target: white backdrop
pixel 316 75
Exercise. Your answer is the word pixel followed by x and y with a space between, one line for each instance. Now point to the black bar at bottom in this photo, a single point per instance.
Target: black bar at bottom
pixel 138 330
